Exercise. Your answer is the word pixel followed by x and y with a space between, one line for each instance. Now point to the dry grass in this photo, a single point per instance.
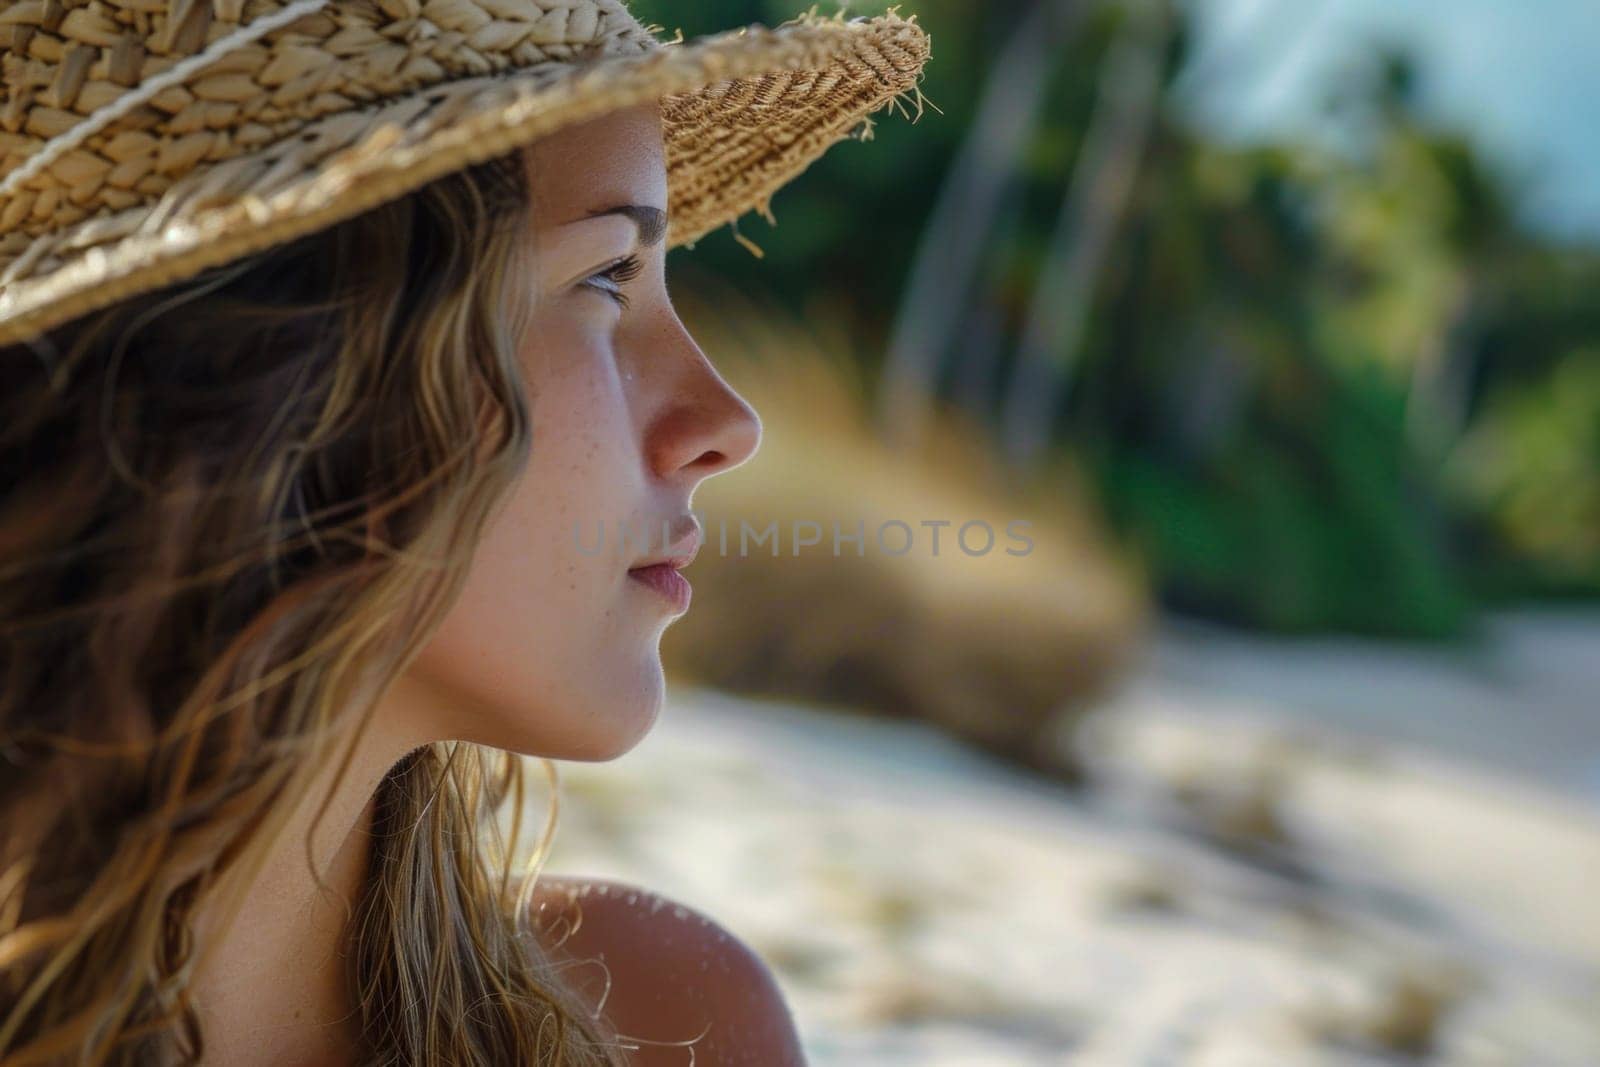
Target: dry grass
pixel 999 649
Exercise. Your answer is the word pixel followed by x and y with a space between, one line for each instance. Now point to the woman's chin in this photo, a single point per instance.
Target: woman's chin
pixel 610 727
pixel 590 715
pixel 618 738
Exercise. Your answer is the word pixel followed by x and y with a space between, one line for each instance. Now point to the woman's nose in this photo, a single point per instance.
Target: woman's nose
pixel 701 426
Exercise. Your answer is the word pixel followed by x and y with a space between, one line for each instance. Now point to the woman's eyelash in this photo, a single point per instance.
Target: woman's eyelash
pixel 611 280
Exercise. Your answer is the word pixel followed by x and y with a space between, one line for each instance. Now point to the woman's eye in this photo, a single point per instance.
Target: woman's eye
pixel 611 280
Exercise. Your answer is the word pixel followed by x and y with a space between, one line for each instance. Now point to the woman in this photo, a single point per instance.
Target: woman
pixel 328 327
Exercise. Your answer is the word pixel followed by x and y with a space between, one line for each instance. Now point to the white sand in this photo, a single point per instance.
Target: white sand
pixel 923 905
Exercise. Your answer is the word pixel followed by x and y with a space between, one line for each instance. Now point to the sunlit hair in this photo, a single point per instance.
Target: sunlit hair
pixel 230 514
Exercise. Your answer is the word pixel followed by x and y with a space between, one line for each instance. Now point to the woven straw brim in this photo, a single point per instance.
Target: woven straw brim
pixel 743 113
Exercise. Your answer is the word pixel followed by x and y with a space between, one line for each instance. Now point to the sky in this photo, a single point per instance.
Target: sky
pixel 1522 77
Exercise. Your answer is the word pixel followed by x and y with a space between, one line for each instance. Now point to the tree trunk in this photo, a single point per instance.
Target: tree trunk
pixel 952 242
pixel 1097 196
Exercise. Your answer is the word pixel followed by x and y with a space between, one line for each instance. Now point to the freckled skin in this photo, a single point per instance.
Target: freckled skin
pixel 699 981
pixel 551 651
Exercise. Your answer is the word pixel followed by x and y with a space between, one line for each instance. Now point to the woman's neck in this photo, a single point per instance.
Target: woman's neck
pixel 272 986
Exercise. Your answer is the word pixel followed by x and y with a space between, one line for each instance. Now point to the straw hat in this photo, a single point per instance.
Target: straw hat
pixel 143 141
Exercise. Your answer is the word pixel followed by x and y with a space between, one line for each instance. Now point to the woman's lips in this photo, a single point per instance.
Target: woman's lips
pixel 665 580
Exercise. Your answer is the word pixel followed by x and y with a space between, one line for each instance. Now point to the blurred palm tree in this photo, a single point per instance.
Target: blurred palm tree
pixel 983 177
pixel 1275 360
pixel 1097 195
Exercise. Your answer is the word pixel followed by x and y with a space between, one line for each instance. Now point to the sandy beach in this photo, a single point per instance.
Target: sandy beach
pixel 1287 854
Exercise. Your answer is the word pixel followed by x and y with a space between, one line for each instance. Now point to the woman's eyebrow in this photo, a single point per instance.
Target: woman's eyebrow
pixel 652 221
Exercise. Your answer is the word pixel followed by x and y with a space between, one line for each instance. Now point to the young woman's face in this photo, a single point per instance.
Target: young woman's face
pixel 552 648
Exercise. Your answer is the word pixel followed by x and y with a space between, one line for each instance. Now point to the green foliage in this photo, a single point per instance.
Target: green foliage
pixel 1292 526
pixel 1321 391
pixel 1532 462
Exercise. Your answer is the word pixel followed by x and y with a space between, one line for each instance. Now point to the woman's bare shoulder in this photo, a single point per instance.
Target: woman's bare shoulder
pixel 675 974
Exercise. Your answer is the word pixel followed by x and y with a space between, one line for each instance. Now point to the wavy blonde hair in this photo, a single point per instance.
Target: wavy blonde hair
pixel 230 514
